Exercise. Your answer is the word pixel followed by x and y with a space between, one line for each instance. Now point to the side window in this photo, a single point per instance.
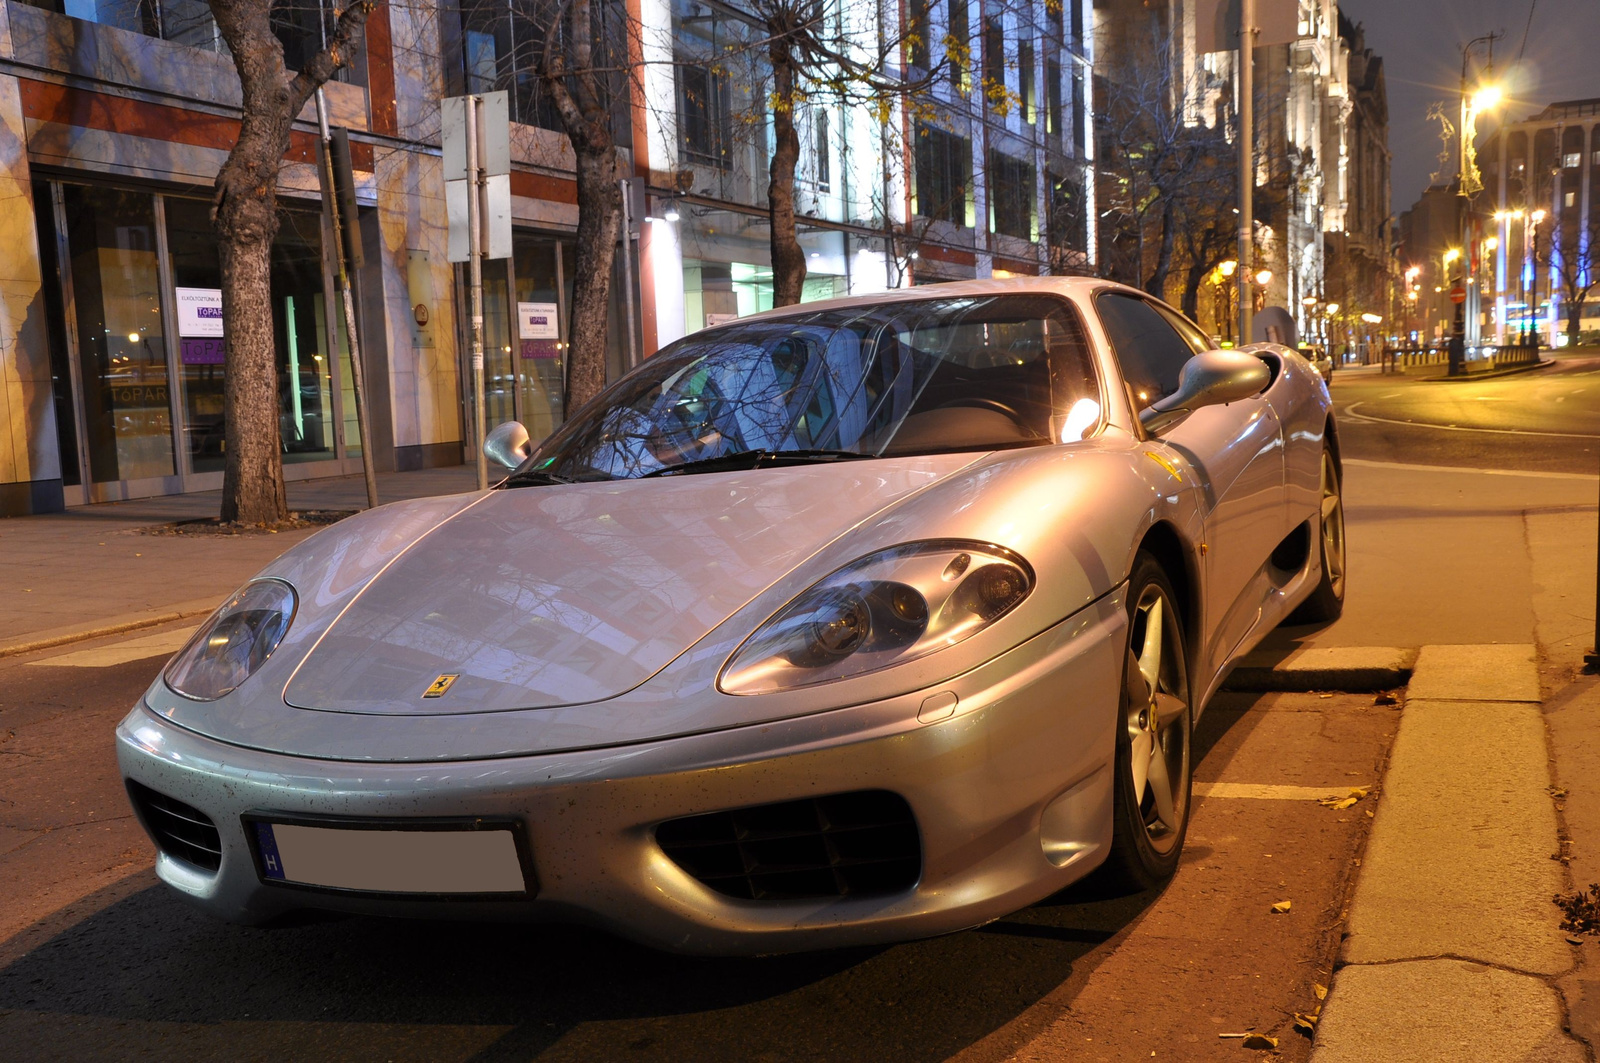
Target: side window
pixel 1192 335
pixel 1148 348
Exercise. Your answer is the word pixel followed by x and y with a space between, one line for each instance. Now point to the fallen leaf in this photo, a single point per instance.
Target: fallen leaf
pixel 1324 695
pixel 1226 1036
pixel 1320 990
pixel 1281 907
pixel 1338 804
pixel 1386 698
pixel 1306 1024
pixel 1574 941
pixel 1260 1040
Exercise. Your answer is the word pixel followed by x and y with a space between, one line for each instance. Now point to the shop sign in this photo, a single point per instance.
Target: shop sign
pixel 202 352
pixel 200 312
pixel 538 328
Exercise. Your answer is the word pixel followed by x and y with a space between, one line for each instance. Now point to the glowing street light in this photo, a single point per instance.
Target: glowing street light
pixel 1487 98
pixel 1372 319
pixel 1264 277
pixel 1227 268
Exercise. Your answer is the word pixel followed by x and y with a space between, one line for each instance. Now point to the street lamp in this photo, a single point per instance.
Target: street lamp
pixel 1484 98
pixel 1537 218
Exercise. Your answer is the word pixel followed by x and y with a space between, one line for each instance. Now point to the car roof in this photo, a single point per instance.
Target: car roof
pixel 1065 286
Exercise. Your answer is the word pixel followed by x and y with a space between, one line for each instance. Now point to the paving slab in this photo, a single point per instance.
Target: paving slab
pixel 1503 672
pixel 1452 1010
pixel 1459 859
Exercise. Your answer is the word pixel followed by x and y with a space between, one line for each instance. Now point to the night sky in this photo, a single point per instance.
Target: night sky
pixel 1420 42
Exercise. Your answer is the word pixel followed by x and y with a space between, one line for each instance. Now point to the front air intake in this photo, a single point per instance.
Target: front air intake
pixel 861 844
pixel 179 830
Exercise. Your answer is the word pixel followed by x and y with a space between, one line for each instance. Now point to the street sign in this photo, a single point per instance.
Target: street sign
pixel 493 156
pixel 1458 295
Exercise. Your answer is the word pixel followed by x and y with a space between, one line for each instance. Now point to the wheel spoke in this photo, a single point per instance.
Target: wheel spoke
pixel 1161 790
pixel 1330 506
pixel 1143 751
pixel 1150 652
pixel 1167 709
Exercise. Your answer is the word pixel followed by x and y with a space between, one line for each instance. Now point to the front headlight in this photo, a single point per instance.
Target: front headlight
pixel 886 609
pixel 235 642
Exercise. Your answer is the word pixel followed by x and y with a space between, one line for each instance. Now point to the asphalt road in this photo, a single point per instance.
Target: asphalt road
pixel 99 961
pixel 1546 420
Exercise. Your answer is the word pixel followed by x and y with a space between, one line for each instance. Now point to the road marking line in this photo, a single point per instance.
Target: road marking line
pixel 1350 412
pixel 1271 791
pixel 162 645
pixel 1365 463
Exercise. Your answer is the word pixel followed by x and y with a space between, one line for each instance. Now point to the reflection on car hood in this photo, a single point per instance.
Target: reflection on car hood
pixel 539 597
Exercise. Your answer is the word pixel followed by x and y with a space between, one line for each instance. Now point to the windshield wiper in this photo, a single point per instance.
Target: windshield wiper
pixel 754 459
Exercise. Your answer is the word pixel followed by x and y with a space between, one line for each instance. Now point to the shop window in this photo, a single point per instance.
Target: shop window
pixel 56 333
pixel 1011 196
pixel 306 408
pixel 944 174
pixel 122 361
pixel 540 334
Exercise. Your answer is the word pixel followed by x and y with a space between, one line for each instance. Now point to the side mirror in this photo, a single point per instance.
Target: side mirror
pixel 508 445
pixel 1208 379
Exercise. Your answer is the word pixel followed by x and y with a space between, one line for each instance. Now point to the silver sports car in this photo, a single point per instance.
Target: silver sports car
pixel 849 622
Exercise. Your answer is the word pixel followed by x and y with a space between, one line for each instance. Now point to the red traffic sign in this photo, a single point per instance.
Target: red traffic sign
pixel 1458 295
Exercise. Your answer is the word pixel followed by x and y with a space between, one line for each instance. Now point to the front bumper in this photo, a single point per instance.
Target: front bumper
pixel 1011 793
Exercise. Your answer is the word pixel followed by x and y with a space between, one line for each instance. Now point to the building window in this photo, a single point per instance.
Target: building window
pixel 944 174
pixel 496 48
pixel 1571 199
pixel 303 28
pixel 1052 87
pixel 960 33
pixel 1571 160
pixel 919 28
pixel 1027 86
pixel 821 143
pixel 1011 196
pixel 994 55
pixel 703 111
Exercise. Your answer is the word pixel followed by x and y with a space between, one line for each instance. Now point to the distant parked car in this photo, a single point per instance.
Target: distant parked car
pixel 1318 356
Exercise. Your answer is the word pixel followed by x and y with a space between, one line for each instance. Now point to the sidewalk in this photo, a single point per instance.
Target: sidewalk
pixel 88 569
pixel 1453 948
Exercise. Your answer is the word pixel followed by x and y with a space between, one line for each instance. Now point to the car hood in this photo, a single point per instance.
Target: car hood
pixel 542 597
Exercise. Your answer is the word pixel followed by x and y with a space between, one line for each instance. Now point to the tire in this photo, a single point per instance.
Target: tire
pixel 1326 602
pixel 1155 726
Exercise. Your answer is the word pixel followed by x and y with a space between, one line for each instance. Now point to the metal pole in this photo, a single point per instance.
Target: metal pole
pixel 627 270
pixel 358 379
pixel 1247 163
pixel 475 281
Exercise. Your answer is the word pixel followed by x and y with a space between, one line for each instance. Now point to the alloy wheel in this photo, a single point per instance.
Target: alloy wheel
pixel 1156 710
pixel 1332 526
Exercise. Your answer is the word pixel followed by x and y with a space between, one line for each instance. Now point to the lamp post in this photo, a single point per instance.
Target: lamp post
pixel 1224 276
pixel 1486 97
pixel 1532 335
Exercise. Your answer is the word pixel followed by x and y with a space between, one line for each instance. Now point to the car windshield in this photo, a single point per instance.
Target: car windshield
pixel 919 377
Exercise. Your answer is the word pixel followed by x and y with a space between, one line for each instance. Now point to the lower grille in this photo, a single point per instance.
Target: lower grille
pixel 860 844
pixel 182 832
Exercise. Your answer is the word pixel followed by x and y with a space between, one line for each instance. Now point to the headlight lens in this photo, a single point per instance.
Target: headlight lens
pixel 886 609
pixel 235 642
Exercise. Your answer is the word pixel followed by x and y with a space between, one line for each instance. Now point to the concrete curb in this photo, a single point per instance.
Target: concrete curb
pixel 1450 939
pixel 1347 668
pixel 114 625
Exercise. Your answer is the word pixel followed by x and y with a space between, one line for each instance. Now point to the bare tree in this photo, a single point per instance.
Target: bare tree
pixel 246 217
pixel 581 39
pixel 1573 255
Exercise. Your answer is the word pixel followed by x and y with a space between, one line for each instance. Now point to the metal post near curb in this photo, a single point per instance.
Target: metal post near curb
pixel 358 377
pixel 477 166
pixel 1247 166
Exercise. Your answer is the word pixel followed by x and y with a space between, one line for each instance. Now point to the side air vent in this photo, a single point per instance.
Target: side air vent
pixel 181 831
pixel 861 844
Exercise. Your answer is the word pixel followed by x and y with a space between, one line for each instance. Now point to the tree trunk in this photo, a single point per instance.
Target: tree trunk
pixel 788 259
pixel 569 74
pixel 1574 317
pixel 1157 284
pixel 1192 279
pixel 245 211
pixel 599 220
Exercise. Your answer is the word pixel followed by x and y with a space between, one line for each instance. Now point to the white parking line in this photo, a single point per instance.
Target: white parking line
pixel 1350 412
pixel 162 645
pixel 1270 791
pixel 1365 463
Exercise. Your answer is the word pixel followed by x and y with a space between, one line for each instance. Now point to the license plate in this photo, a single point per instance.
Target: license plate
pixel 390 861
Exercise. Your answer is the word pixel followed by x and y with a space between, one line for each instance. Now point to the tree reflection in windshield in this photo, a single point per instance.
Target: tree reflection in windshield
pixel 916 377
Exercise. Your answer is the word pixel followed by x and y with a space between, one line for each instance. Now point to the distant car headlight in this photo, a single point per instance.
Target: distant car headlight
pixel 235 642
pixel 888 608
